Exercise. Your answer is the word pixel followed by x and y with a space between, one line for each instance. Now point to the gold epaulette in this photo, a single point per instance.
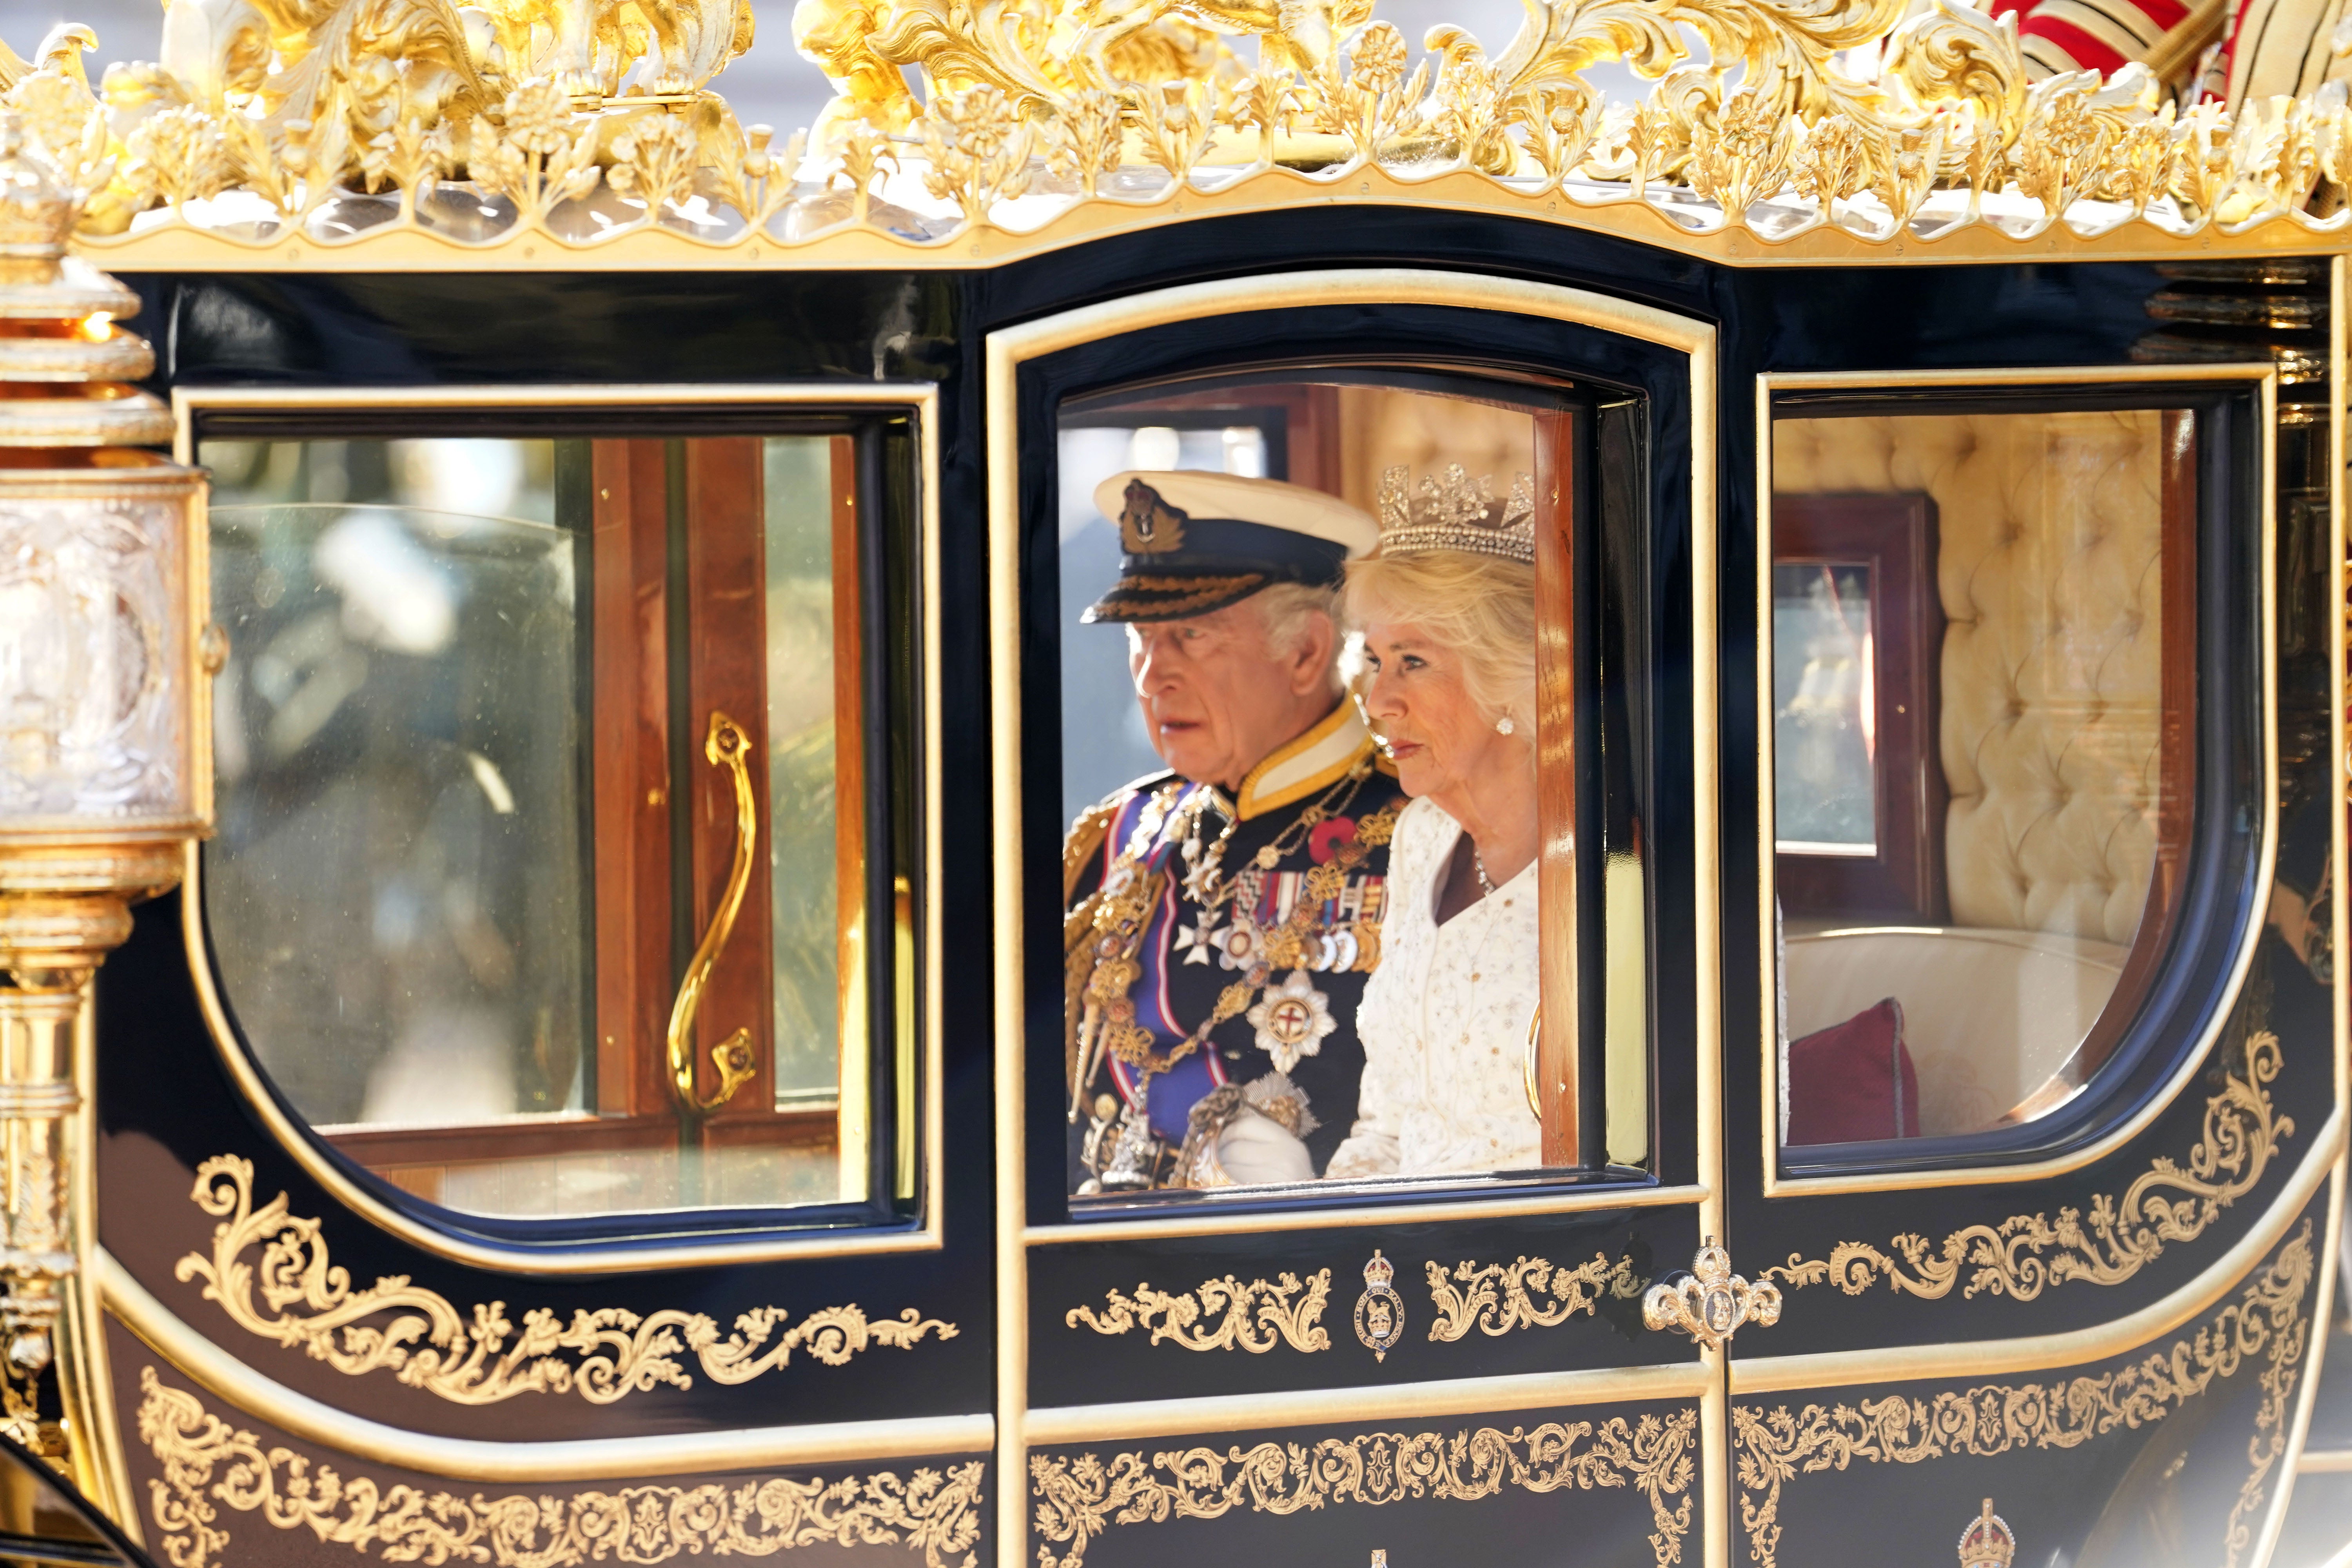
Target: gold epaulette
pixel 1086 840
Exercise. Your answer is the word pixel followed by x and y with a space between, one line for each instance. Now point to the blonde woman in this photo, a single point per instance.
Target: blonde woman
pixel 1446 609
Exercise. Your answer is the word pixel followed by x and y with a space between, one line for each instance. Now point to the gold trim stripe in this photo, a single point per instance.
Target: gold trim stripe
pixel 922 401
pixel 178 249
pixel 1566 1200
pixel 472 1459
pixel 1391 1401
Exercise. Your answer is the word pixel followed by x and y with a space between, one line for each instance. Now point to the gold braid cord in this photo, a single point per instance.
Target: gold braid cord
pixel 465 1358
pixel 1080 1497
pixel 209 1464
pixel 2027 1254
pixel 2266 1322
pixel 1255 1317
pixel 1496 1297
pixel 331 122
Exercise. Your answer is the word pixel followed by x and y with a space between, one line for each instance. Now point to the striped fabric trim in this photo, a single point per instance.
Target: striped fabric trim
pixel 2058 35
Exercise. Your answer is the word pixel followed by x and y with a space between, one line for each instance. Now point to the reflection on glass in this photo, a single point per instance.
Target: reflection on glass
pixel 436 735
pixel 1823 708
pixel 2047 794
pixel 396 892
pixel 805 847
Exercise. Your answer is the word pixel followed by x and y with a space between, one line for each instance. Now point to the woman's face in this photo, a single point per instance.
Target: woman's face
pixel 1417 701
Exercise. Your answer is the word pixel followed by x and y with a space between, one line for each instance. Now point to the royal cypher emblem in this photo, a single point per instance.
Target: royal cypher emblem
pixel 1380 1311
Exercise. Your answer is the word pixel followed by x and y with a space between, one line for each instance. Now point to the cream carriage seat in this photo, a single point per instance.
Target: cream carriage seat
pixel 1990 1016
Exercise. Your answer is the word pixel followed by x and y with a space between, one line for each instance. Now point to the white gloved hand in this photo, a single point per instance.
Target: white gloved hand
pixel 1256 1150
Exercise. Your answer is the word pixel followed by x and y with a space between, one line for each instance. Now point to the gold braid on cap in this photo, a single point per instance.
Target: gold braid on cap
pixel 1451 511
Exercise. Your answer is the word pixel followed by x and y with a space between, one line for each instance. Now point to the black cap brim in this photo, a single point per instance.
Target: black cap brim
pixel 1172 597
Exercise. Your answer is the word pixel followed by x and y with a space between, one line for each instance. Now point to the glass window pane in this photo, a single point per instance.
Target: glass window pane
pixel 1981 681
pixel 808 857
pixel 396 893
pixel 1823 710
pixel 1250 1000
pixel 472 848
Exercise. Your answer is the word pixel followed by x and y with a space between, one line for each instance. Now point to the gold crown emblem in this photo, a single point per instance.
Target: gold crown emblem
pixel 1987 1542
pixel 1379 1272
pixel 1451 510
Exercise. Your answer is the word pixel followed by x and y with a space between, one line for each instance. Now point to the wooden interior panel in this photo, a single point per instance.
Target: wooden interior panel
pixel 1555 760
pixel 1895 535
pixel 629 720
pixel 727 670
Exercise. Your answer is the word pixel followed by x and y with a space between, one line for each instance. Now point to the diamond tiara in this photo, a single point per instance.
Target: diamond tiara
pixel 1451 511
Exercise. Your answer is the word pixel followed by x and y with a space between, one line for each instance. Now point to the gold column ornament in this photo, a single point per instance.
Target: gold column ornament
pixel 104 773
pixel 1710 1302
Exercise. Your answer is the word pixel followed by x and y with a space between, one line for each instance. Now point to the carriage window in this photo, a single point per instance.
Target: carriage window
pixel 1980 628
pixel 1319 706
pixel 542 883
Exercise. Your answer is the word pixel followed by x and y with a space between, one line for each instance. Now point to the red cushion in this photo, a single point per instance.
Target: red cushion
pixel 1854 1081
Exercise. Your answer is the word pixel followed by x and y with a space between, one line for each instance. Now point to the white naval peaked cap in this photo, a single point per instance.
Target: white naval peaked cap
pixel 1271 503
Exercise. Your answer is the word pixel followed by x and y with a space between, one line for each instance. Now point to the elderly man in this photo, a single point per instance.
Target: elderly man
pixel 1223 915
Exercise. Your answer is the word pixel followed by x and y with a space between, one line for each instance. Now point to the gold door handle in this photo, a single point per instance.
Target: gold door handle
pixel 726 747
pixel 1710 1302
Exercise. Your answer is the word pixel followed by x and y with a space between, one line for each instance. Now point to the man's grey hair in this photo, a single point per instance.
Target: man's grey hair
pixel 1286 609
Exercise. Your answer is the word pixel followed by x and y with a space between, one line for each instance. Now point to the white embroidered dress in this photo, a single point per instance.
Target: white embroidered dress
pixel 1445 1021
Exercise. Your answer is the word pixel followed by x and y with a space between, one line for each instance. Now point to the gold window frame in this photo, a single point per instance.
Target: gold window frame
pixel 2262 377
pixel 1702 1378
pixel 920 399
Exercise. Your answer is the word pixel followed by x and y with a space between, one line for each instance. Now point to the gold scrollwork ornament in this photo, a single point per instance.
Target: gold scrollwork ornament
pixel 1497 1298
pixel 466 1358
pixel 1380 1311
pixel 1255 1317
pixel 1710 1302
pixel 2024 1255
pixel 209 1464
pixel 1774 1446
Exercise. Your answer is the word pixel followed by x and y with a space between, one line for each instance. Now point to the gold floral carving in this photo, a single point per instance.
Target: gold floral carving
pixel 1496 1297
pixel 337 120
pixel 1255 1317
pixel 2026 1254
pixel 466 1358
pixel 1080 1497
pixel 2266 1322
pixel 207 1463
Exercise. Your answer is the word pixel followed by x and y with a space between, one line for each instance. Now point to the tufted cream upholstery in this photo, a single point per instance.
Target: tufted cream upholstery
pixel 2049 572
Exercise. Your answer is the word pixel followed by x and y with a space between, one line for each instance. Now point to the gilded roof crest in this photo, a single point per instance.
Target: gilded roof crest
pixel 1812 128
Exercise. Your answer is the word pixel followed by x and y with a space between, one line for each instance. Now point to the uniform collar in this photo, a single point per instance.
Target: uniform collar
pixel 1315 761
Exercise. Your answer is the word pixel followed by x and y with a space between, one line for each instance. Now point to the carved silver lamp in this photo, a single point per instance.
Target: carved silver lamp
pixel 104 775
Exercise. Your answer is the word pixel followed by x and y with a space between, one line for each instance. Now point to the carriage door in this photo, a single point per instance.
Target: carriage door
pixel 2033 1131
pixel 521 1132
pixel 1377 1356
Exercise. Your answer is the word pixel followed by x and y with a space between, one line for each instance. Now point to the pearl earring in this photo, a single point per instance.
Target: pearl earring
pixel 1504 726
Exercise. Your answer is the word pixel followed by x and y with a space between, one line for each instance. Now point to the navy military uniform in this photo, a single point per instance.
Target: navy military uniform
pixel 1217 946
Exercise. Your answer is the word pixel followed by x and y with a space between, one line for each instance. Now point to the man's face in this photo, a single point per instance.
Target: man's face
pixel 1217 698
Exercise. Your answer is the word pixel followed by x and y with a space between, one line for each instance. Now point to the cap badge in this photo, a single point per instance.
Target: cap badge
pixel 1451 511
pixel 1149 525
